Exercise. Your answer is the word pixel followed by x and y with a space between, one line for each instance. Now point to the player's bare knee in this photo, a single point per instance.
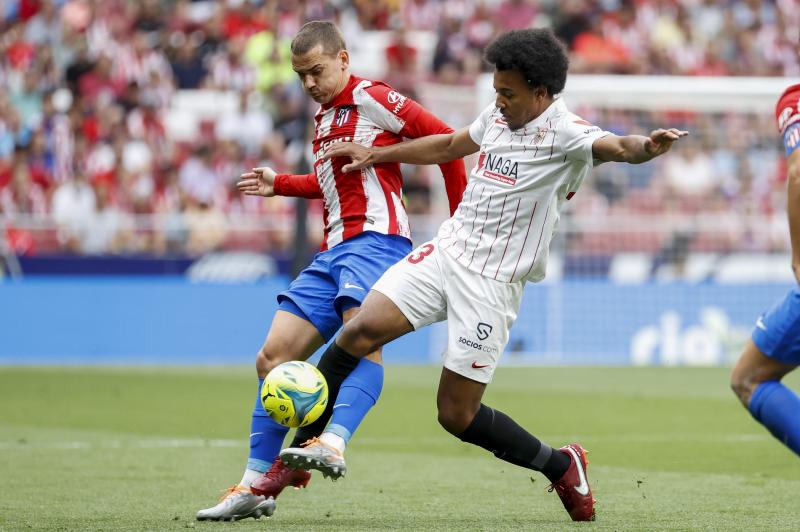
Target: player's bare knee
pixel 743 382
pixel 267 358
pixel 360 335
pixel 742 391
pixel 453 419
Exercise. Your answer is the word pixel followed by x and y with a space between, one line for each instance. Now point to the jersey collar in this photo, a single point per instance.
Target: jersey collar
pixel 557 107
pixel 346 96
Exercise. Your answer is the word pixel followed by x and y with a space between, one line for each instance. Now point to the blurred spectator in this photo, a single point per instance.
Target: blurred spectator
pixel 416 190
pixel 449 53
pixel 689 173
pixel 136 59
pixel 206 227
pixel 243 18
pixel 22 196
pixel 45 26
pixel 228 71
pixel 421 14
pixel 110 230
pixel 272 59
pixel 594 51
pixel 670 263
pixel 188 67
pixel 93 80
pixel 516 14
pixel 573 20
pixel 249 125
pixel 198 179
pixel 150 16
pixel 480 27
pixel 401 63
pixel 74 208
pixel 89 88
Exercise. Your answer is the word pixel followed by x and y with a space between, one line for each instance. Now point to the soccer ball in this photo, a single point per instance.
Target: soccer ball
pixel 294 394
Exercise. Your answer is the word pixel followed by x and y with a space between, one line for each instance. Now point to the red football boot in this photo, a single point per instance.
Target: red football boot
pixel 271 483
pixel 573 488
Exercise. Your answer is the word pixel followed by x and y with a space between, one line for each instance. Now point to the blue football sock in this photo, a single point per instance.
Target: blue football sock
pixel 778 408
pixel 359 391
pixel 266 437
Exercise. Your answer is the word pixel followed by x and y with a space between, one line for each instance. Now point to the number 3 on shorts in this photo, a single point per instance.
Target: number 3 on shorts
pixel 424 251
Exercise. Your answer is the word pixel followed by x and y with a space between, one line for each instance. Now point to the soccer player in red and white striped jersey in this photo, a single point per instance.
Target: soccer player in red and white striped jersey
pixel 534 155
pixel 369 113
pixel 773 349
pixel 366 231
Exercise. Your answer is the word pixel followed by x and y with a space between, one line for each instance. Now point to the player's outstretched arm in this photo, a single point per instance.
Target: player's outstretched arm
pixel 635 149
pixel 434 149
pixel 264 181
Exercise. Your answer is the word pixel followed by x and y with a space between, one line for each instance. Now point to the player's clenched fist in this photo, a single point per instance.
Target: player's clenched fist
pixel 258 182
pixel 661 140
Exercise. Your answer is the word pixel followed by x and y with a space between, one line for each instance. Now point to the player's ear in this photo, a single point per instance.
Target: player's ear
pixel 344 59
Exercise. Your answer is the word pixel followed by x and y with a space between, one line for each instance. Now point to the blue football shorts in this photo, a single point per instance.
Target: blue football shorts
pixel 339 279
pixel 777 332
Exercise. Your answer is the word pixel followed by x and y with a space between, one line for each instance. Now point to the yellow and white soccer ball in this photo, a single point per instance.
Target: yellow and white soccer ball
pixel 294 394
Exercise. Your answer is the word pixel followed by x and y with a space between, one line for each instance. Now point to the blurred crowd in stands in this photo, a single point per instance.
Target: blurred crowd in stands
pixel 87 157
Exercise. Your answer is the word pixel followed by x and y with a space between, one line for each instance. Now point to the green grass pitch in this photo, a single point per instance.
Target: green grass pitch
pixel 144 448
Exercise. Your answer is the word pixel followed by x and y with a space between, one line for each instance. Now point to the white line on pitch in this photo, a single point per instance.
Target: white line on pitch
pixel 123 444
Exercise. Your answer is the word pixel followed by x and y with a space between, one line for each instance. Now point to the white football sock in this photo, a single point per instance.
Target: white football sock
pixel 249 476
pixel 337 442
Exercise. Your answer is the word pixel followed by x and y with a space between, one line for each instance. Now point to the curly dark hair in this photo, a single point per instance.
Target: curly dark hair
pixel 536 54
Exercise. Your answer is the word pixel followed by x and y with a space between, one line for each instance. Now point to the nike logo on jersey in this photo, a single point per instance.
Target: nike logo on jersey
pixel 760 324
pixel 583 487
pixel 479 366
pixel 340 404
pixel 255 434
pixel 348 285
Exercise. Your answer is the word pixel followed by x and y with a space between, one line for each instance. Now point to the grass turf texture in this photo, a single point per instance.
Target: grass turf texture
pixel 144 448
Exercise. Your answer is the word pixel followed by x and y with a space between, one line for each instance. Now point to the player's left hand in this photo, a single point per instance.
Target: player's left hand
pixel 661 140
pixel 258 182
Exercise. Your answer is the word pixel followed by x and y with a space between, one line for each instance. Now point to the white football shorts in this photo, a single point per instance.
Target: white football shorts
pixel 428 286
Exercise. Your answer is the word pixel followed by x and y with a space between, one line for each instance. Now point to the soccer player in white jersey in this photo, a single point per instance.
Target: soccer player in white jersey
pixel 534 154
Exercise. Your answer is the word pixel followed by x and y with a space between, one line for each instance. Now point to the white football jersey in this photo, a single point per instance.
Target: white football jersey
pixel 509 210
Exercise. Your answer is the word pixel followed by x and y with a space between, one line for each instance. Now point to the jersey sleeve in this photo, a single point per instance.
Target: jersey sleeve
pixel 478 127
pixel 387 108
pixel 579 135
pixel 787 110
pixel 787 113
pixel 403 116
pixel 426 123
pixel 301 186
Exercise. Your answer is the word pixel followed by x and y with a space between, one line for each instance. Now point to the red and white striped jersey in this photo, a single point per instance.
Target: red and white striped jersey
pixel 369 113
pixel 503 227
